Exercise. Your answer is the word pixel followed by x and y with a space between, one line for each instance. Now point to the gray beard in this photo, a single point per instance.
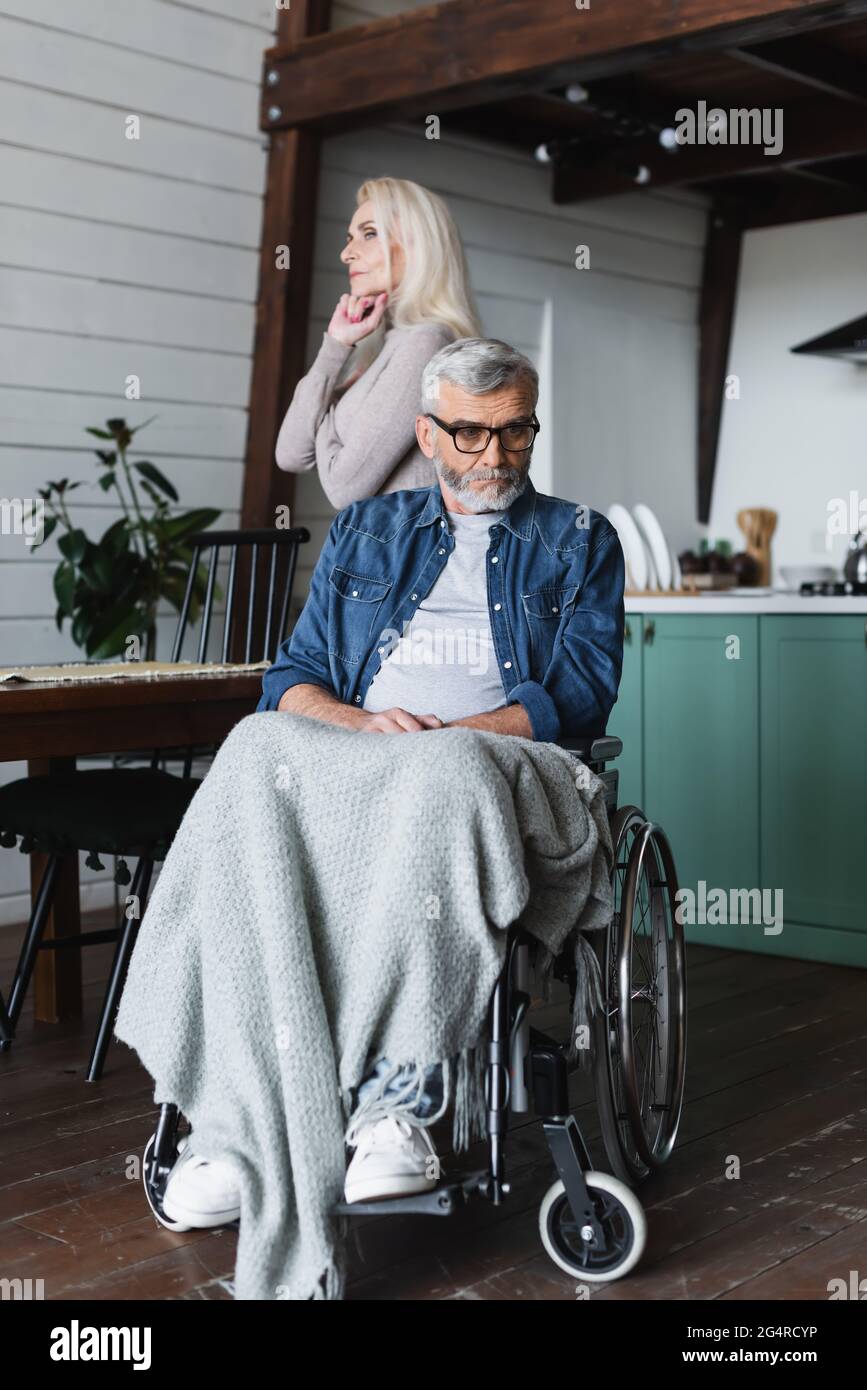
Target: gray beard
pixel 494 499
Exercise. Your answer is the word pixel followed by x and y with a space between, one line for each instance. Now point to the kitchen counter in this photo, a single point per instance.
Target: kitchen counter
pixel 780 602
pixel 728 710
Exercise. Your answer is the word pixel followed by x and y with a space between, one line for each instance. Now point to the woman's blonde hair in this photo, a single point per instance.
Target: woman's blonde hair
pixel 435 284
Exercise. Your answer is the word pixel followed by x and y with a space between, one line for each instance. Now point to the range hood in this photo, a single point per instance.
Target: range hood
pixel 850 341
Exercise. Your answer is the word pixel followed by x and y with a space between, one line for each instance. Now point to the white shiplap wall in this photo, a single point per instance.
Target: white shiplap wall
pixel 616 344
pixel 118 257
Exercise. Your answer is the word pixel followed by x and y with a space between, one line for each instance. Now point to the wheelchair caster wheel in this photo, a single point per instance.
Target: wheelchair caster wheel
pixel 621 1216
pixel 154 1199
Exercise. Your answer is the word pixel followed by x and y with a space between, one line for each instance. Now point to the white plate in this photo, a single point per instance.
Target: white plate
pixel 656 542
pixel 652 577
pixel 676 576
pixel 633 546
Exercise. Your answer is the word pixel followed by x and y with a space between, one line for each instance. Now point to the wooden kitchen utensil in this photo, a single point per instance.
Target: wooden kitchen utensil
pixel 758 525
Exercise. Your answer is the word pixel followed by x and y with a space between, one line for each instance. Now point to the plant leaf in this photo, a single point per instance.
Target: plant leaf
pixel 107 481
pixel 173 528
pixel 151 492
pixel 100 571
pixel 73 545
pixel 64 587
pixel 109 634
pixel 116 538
pixel 153 474
pixel 81 626
pixel 99 434
pixel 50 525
pixel 148 421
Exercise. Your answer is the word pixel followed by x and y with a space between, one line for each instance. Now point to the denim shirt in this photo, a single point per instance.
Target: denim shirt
pixel 555 577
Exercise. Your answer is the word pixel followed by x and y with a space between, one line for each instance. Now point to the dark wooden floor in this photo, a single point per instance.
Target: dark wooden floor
pixel 777 1078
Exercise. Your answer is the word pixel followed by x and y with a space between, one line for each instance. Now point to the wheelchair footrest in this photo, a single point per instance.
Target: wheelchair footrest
pixel 440 1201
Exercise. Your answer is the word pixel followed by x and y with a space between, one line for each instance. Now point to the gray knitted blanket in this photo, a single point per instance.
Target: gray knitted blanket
pixel 332 898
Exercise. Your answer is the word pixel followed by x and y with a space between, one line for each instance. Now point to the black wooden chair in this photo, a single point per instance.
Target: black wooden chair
pixel 135 812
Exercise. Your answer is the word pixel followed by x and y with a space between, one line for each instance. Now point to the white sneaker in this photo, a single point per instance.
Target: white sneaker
pixel 200 1193
pixel 393 1158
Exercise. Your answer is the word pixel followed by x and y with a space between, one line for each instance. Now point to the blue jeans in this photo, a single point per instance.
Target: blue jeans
pixel 432 1095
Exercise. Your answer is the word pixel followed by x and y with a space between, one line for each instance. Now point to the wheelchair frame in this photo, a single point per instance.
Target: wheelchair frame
pixel 602 1213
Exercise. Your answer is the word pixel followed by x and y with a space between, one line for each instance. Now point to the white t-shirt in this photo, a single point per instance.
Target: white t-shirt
pixel 445 663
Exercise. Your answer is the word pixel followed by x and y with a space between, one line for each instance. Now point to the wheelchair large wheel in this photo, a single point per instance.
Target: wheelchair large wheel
pixel 640 1038
pixel 570 1246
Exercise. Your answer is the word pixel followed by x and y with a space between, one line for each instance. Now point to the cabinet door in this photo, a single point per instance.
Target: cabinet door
pixel 627 716
pixel 701 758
pixel 814 767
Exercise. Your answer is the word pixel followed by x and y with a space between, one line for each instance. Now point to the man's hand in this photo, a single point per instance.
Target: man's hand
pixel 399 721
pixel 316 703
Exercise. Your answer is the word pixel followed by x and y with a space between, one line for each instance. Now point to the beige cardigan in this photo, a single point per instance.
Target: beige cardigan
pixel 363 442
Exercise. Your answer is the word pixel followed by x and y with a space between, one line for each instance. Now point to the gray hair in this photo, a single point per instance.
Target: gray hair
pixel 479 365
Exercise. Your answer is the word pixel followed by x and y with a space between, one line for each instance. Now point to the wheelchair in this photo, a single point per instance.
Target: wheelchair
pixel 591 1223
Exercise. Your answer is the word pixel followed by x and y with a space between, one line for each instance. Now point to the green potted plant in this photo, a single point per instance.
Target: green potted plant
pixel 109 589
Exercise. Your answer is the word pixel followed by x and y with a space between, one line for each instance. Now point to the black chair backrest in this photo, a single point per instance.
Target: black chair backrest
pixel 254 636
pixel 272 551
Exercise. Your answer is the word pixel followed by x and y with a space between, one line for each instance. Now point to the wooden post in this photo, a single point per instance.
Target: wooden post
pixel 716 311
pixel 284 294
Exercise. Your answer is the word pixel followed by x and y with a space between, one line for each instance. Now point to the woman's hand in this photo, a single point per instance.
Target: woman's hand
pixel 356 316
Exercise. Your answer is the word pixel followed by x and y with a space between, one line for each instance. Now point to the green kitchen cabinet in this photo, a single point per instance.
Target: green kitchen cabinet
pixel 814 777
pixel 701 753
pixel 626 720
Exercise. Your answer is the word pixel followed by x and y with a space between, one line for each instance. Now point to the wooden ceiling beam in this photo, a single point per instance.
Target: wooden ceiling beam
pixel 805 205
pixel 795 196
pixel 823 69
pixel 811 133
pixel 467 52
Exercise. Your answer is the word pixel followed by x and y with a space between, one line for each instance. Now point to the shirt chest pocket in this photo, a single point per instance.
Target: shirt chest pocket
pixel 355 601
pixel 547 611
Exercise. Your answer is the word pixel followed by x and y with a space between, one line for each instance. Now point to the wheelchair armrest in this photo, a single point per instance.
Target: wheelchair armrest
pixel 594 750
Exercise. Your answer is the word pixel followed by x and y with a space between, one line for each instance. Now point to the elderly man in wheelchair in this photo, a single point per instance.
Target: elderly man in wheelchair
pixel 506 615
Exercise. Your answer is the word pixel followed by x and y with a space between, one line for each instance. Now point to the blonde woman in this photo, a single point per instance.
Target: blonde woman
pixel 353 414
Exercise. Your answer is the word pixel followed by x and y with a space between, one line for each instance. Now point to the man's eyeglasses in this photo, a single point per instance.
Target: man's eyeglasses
pixel 515 437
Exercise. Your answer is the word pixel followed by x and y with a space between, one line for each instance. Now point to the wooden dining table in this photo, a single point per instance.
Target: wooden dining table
pixel 49 724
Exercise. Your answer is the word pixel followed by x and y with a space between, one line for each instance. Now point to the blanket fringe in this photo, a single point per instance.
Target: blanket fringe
pixel 463 1088
pixel 330 1286
pixel 464 1072
pixel 589 1000
pixel 589 995
pixel 470 1110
